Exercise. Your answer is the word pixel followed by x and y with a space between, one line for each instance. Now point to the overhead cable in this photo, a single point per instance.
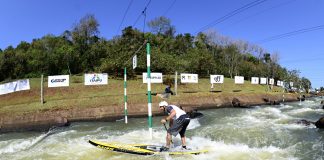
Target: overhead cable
pixel 231 14
pixel 130 3
pixel 289 34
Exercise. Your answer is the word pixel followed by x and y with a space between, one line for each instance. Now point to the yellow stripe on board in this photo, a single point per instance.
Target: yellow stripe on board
pixel 123 147
pixel 136 148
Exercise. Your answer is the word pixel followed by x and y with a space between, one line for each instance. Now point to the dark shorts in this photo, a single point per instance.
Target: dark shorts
pixel 179 126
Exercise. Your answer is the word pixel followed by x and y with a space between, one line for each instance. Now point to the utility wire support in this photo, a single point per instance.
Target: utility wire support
pixel 130 3
pixel 139 16
pixel 169 8
pixel 136 51
pixel 144 13
pixel 231 14
pixel 289 34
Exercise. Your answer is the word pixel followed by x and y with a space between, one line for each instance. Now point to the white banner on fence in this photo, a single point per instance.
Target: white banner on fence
pixel 155 78
pixel 239 80
pixel 189 78
pixel 271 81
pixel 96 79
pixel 278 83
pixel 254 80
pixel 58 81
pixel 23 85
pixel 291 84
pixel 263 80
pixel 8 87
pixel 216 79
pixel 15 86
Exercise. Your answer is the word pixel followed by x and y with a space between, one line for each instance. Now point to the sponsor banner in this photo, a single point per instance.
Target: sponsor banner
pixel 254 80
pixel 23 85
pixel 216 79
pixel 8 87
pixel 239 80
pixel 58 81
pixel 95 79
pixel 278 83
pixel 135 61
pixel 271 81
pixel 291 84
pixel 263 80
pixel 15 86
pixel 155 78
pixel 189 78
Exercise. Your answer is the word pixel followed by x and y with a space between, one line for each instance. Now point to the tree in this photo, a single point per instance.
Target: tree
pixel 85 34
pixel 274 64
pixel 162 25
pixel 231 59
pixel 306 84
pixel 8 63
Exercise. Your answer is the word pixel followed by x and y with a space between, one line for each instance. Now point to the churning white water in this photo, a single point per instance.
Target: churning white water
pixel 263 132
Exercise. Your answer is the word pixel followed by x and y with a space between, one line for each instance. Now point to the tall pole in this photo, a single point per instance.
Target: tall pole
pixel 176 83
pixel 148 57
pixel 42 90
pixel 283 94
pixel 125 94
pixel 299 95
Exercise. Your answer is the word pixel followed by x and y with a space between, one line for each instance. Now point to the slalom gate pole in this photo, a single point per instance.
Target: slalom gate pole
pixel 125 94
pixel 148 57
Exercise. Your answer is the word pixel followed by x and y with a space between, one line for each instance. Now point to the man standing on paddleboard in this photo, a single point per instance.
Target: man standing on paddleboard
pixel 178 122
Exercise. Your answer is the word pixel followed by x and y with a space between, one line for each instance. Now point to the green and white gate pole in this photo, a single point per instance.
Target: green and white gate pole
pixel 148 57
pixel 125 93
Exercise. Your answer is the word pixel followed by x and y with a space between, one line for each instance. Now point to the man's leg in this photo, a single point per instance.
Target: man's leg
pixel 182 133
pixel 183 141
pixel 168 140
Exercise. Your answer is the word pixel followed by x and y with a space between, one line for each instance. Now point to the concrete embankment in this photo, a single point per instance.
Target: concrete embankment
pixel 44 120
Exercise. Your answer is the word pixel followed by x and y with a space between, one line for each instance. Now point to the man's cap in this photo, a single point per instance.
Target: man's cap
pixel 163 103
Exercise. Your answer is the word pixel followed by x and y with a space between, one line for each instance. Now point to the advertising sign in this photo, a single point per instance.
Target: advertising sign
pixel 271 81
pixel 254 80
pixel 96 79
pixel 263 80
pixel 15 86
pixel 189 78
pixel 155 78
pixel 23 85
pixel 58 81
pixel 239 80
pixel 216 79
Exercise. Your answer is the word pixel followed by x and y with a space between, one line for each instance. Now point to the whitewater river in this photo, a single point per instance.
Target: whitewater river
pixel 263 132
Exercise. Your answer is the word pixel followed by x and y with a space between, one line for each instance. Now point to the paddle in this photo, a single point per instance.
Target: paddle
pixel 167 130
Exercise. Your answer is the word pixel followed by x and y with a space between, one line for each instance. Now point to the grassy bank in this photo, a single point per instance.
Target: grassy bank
pixel 79 95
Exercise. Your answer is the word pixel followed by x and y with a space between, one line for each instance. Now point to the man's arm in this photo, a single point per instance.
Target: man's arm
pixel 171 115
pixel 171 122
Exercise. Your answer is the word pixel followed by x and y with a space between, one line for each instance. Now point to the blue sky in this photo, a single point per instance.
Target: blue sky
pixel 24 20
